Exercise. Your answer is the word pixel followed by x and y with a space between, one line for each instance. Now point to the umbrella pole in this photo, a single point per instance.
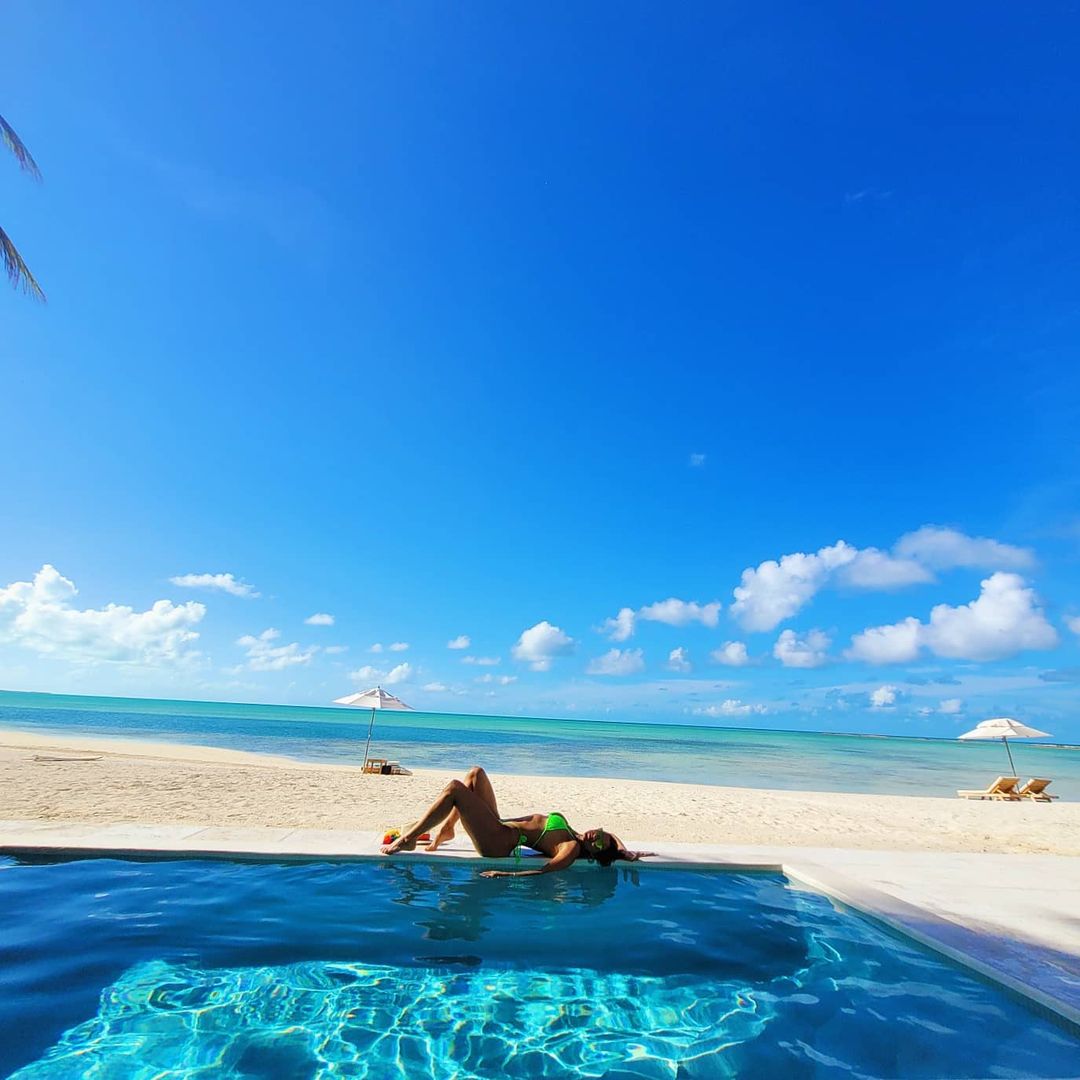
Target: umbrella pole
pixel 1003 739
pixel 371 727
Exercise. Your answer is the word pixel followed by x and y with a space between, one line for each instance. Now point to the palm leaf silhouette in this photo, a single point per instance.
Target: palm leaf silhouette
pixel 18 148
pixel 16 269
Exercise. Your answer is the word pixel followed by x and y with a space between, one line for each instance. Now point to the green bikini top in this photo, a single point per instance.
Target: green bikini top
pixel 555 822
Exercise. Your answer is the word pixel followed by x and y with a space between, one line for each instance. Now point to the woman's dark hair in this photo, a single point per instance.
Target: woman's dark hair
pixel 606 856
pixel 611 852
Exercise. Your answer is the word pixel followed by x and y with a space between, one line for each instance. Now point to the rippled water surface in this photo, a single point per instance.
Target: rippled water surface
pixel 411 969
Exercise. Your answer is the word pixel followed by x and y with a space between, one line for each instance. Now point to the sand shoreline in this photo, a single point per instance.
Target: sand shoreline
pixel 170 783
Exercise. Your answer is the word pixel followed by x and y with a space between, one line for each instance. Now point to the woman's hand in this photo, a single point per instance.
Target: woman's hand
pixel 495 873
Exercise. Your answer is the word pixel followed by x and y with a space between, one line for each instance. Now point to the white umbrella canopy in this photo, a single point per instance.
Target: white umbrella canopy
pixel 375 698
pixel 1004 728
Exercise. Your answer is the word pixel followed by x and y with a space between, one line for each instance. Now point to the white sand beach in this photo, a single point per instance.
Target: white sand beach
pixel 163 783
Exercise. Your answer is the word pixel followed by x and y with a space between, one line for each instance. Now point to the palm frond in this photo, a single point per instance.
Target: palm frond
pixel 17 271
pixel 18 148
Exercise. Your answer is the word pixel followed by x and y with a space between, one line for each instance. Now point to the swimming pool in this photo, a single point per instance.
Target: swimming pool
pixel 402 968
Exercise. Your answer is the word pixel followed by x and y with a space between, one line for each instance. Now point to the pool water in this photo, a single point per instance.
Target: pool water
pixel 188 968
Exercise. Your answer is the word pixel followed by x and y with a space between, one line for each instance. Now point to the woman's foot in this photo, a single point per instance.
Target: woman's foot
pixel 443 836
pixel 402 843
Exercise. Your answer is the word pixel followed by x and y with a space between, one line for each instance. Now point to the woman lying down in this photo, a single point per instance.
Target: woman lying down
pixel 472 803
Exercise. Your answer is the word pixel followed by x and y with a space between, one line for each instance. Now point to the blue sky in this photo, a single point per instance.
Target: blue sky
pixel 498 323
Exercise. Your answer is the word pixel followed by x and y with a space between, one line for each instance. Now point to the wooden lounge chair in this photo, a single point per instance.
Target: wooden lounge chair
pixel 385 767
pixel 1035 789
pixel 1002 789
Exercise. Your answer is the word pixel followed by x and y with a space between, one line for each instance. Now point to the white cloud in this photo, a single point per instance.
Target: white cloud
pixel 884 697
pixel 730 707
pixel 807 651
pixel 320 618
pixel 499 680
pixel 333 650
pixel 672 611
pixel 681 612
pixel 38 615
pixel 368 674
pixel 948 707
pixel 874 569
pixel 398 646
pixel 1073 623
pixel 482 661
pixel 221 582
pixel 620 627
pixel 462 641
pixel 263 655
pixel 697 460
pixel 398 674
pixel 678 660
pixel 541 644
pixel 894 644
pixel 1006 618
pixel 377 647
pixel 435 687
pixel 944 548
pixel 617 662
pixel 732 654
pixel 775 591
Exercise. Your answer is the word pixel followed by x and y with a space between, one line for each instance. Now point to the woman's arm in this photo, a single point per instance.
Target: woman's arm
pixel 632 856
pixel 565 854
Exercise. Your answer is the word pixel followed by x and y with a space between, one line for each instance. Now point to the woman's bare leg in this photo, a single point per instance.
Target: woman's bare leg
pixel 489 835
pixel 478 780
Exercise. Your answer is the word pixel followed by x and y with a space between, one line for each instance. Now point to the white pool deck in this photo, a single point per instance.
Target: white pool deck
pixel 1012 918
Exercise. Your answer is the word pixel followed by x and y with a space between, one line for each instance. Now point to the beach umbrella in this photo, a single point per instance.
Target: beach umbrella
pixel 1001 727
pixel 373 699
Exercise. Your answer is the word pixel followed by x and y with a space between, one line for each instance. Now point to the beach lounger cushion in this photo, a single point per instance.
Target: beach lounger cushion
pixel 1004 787
pixel 1035 789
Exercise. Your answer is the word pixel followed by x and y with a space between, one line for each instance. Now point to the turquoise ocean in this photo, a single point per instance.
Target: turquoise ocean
pixel 736 757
